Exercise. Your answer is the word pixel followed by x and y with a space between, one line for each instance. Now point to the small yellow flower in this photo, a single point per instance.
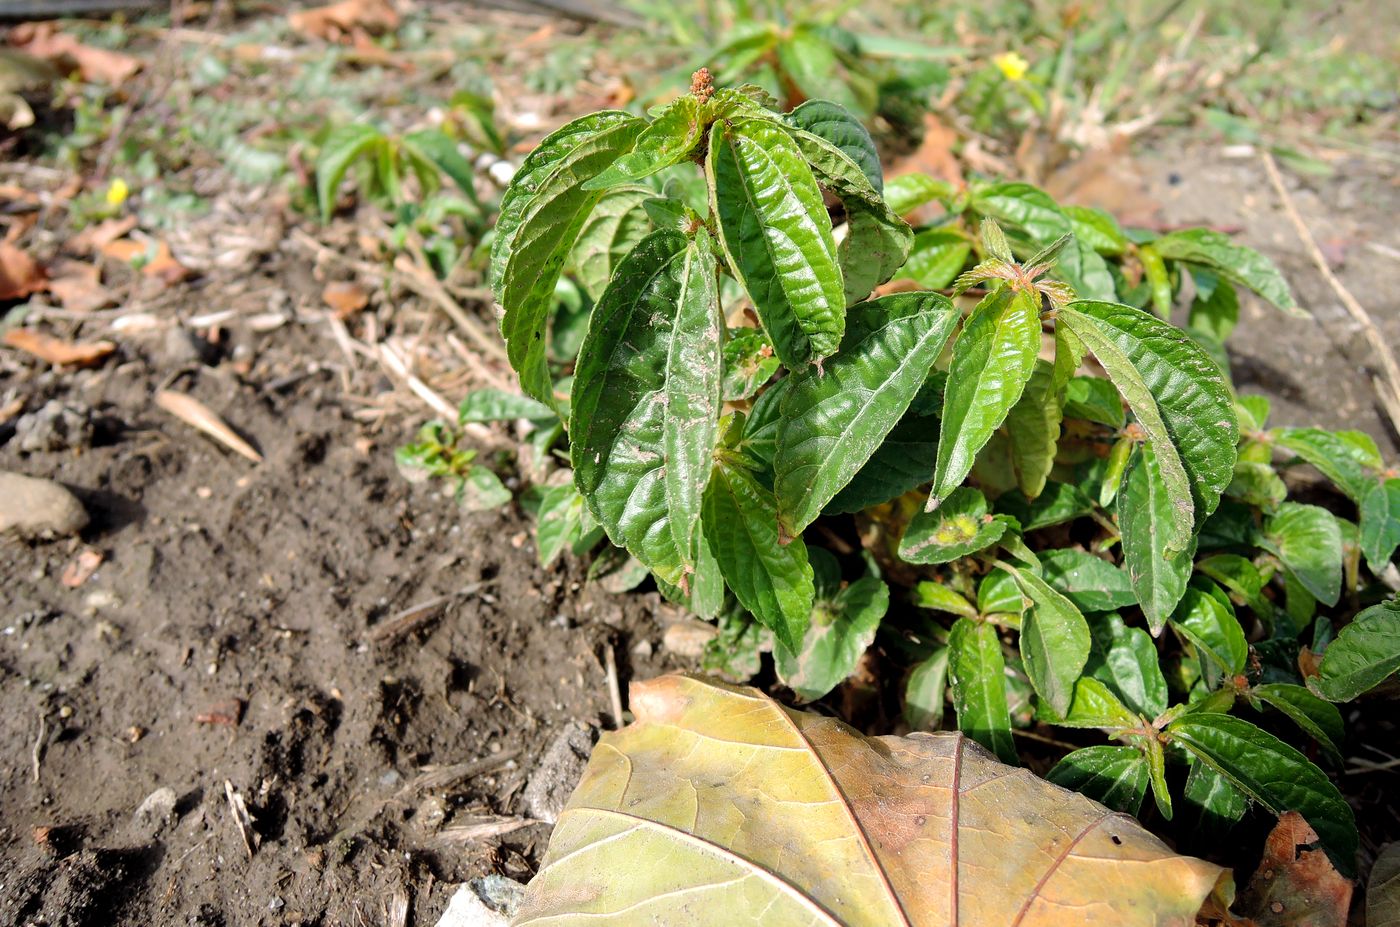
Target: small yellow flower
pixel 117 192
pixel 1011 65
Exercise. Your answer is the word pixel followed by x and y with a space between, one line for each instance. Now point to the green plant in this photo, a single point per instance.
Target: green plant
pixel 436 456
pixel 386 161
pixel 1111 541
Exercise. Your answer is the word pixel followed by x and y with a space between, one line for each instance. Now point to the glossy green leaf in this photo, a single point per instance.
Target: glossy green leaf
pixel 1242 579
pixel 1094 399
pixel 1057 503
pixel 541 215
pixel 668 140
pixel 1210 625
pixel 1319 719
pixel 1257 484
pixel 936 258
pixel 1033 430
pixel 1055 641
pixel 1215 805
pixel 494 405
pixel 1115 468
pixel 875 246
pixel 1333 455
pixel 613 229
pixel 1097 229
pixel 993 359
pixel 1025 208
pixel 1306 538
pixel 1156 754
pixel 841 629
pixel 1380 523
pixel 840 127
pixel 1115 777
pixel 1125 659
pixel 976 671
pixel 1365 652
pixel 749 363
pixel 646 399
pixel 908 192
pixel 1094 705
pixel 1146 518
pixel 772 580
pixel 1233 262
pixel 342 147
pixel 998 593
pixel 777 238
pixel 809 61
pixel 958 527
pixel 559 521
pixel 1159 284
pixel 442 151
pixel 1091 583
pixel 834 420
pixel 904 461
pixel 926 692
pixel 1273 774
pixel 938 597
pixel 1178 396
pixel 1215 315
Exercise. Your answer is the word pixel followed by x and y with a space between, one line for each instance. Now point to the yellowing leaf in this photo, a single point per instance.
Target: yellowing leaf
pixel 719 805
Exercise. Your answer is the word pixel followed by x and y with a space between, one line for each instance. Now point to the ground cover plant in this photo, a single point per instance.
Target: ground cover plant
pixel 1055 468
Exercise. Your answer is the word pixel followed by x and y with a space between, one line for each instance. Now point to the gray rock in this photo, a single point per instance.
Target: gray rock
pixel 157 811
pixel 56 426
pixel 36 508
pixel 466 909
pixel 559 771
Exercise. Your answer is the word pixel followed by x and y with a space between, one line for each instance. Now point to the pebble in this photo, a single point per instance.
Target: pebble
pixel 56 426
pixel 559 771
pixel 37 508
pixel 688 638
pixel 155 812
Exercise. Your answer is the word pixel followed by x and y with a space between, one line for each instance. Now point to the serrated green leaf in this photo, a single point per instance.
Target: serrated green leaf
pixel 938 597
pixel 908 192
pixel 617 223
pixel 495 405
pixel 993 359
pixel 926 692
pixel 1178 396
pixel 904 461
pixel 749 363
pixel 1210 625
pixel 342 147
pixel 1125 659
pixel 936 258
pixel 772 580
pixel 1320 720
pixel 1097 229
pixel 1024 208
pixel 541 215
pixel 958 527
pixel 1380 523
pixel 841 128
pixel 777 238
pixel 442 152
pixel 1365 652
pixel 1091 583
pixel 1273 774
pixel 668 140
pixel 1234 262
pixel 833 421
pixel 1309 543
pixel 1094 399
pixel 1336 458
pixel 976 672
pixel 1057 503
pixel 1055 641
pixel 1094 705
pixel 1033 430
pixel 1146 515
pixel 998 593
pixel 840 631
pixel 1115 777
pixel 1257 484
pixel 646 400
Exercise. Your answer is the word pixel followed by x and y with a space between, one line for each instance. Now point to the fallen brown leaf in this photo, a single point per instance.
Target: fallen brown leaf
pixel 1295 886
pixel 159 262
pixel 934 156
pixel 94 238
pixel 97 65
pixel 78 287
pixel 1108 179
pixel 197 415
pixel 20 274
pixel 81 568
pixel 1383 889
pixel 345 299
pixel 57 351
pixel 338 21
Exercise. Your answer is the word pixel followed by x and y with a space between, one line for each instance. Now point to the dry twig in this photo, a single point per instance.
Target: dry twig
pixel 1387 386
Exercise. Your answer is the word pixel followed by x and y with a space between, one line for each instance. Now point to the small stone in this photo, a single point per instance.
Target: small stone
pixel 466 909
pixel 688 638
pixel 37 508
pixel 559 771
pixel 643 648
pixel 57 426
pixel 153 814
